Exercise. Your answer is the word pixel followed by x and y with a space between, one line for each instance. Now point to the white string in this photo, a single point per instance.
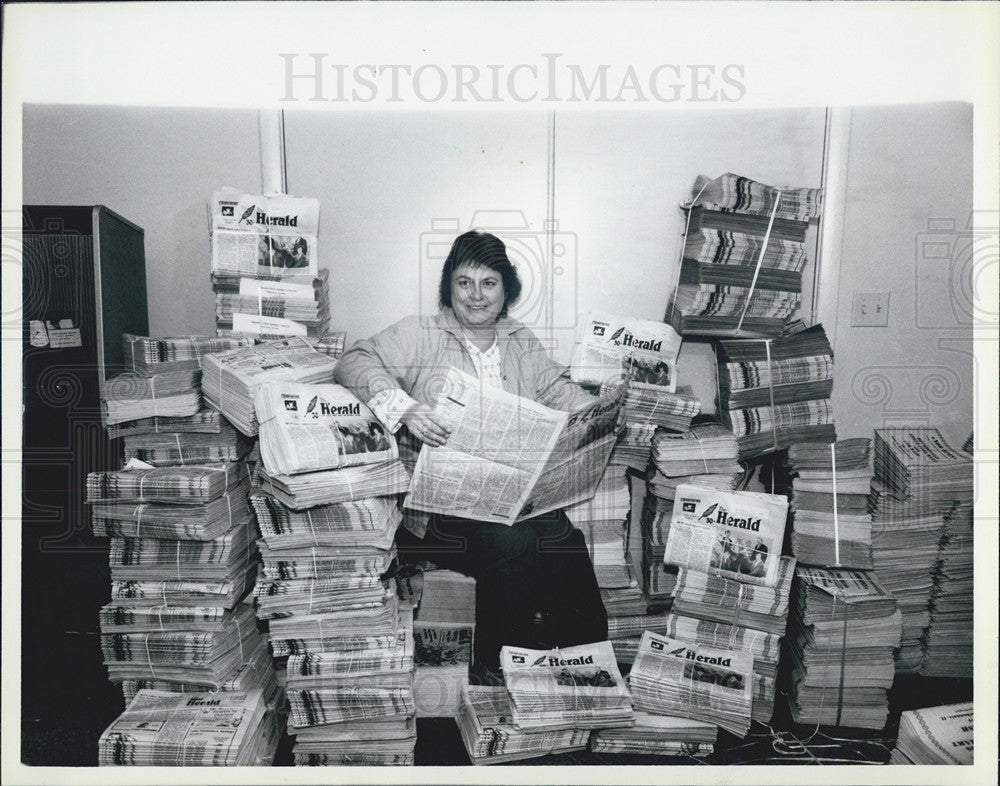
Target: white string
pixel 152 393
pixel 138 516
pixel 687 226
pixel 770 393
pixel 149 658
pixel 178 559
pixel 836 520
pixel 760 260
pixel 180 452
pixel 704 459
pixel 312 527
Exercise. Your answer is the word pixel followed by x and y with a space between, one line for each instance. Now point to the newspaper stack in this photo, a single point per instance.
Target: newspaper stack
pixel 183 448
pixel 905 541
pixel 920 479
pixel 624 633
pixel 333 486
pixel 490 737
pixel 443 631
pixel 658 735
pixel 936 735
pixel 843 630
pixel 332 344
pixel 205 421
pixel 684 679
pixel 830 484
pixel 295 305
pixel 230 379
pixel 948 638
pixel 161 729
pixel 572 688
pixel 776 392
pixel 131 396
pixel 309 427
pixel 705 449
pixel 743 255
pixel 603 521
pixel 634 445
pixel 648 403
pixel 609 348
pixel 146 355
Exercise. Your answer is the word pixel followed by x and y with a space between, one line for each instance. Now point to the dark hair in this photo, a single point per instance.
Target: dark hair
pixel 480 249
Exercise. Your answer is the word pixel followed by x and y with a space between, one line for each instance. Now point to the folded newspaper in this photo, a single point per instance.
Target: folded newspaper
pixel 254 234
pixel 509 458
pixel 735 534
pixel 307 428
pixel 610 347
pixel 936 735
pixel 574 687
pixel 673 677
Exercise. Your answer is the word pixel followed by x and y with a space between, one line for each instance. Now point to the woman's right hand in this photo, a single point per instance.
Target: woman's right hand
pixel 424 425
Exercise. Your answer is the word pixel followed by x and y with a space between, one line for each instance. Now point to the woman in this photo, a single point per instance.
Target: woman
pixel 535 584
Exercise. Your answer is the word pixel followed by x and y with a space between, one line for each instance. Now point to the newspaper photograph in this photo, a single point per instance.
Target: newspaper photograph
pixel 442 643
pixel 503 447
pixel 306 428
pixel 254 234
pixel 734 534
pixel 610 347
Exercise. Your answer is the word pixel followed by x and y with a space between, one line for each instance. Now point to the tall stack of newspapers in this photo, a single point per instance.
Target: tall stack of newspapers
pixel 325 497
pixel 844 628
pixel 936 735
pixel 743 253
pixel 265 271
pixel 183 560
pixel 920 501
pixel 776 392
pixel 603 519
pixel 730 587
pixel 705 455
pixel 830 522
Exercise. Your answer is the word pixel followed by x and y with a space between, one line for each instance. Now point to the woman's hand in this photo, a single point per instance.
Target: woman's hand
pixel 425 426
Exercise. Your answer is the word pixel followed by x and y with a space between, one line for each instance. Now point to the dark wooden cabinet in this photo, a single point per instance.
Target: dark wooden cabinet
pixel 84 284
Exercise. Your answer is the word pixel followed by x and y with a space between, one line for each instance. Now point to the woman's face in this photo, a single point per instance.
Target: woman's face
pixel 477 295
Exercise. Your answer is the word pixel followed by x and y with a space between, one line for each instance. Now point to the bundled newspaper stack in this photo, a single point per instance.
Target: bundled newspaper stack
pixel 841 637
pixel 922 487
pixel 603 520
pixel 485 722
pixel 161 729
pixel 726 550
pixel 146 355
pixel 936 735
pixel 577 687
pixel 705 455
pixel 678 678
pixel 265 269
pixel 272 306
pixel 169 448
pixel 947 640
pixel 658 735
pixel 332 344
pixel 131 396
pixel 776 392
pixel 742 259
pixel 322 590
pixel 648 409
pixel 830 484
pixel 230 379
pixel 443 630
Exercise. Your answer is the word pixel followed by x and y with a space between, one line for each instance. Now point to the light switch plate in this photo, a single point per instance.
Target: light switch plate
pixel 870 309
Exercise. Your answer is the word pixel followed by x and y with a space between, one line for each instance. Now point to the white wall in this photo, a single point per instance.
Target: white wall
pixel 909 195
pixel 395 187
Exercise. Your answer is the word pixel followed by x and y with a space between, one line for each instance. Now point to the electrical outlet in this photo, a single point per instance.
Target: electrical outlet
pixel 870 309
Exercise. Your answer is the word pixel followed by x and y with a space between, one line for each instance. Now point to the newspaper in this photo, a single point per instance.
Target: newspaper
pixel 735 534
pixel 674 677
pixel 253 234
pixel 161 728
pixel 614 347
pixel 936 735
pixel 305 428
pixel 509 458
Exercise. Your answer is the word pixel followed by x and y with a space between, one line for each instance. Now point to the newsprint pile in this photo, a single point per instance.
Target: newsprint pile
pixel 757 572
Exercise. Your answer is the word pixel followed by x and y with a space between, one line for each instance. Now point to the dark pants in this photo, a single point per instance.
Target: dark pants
pixel 538 565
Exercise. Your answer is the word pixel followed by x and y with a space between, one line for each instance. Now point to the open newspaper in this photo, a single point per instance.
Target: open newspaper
pixel 735 534
pixel 612 347
pixel 306 428
pixel 509 458
pixel 254 234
